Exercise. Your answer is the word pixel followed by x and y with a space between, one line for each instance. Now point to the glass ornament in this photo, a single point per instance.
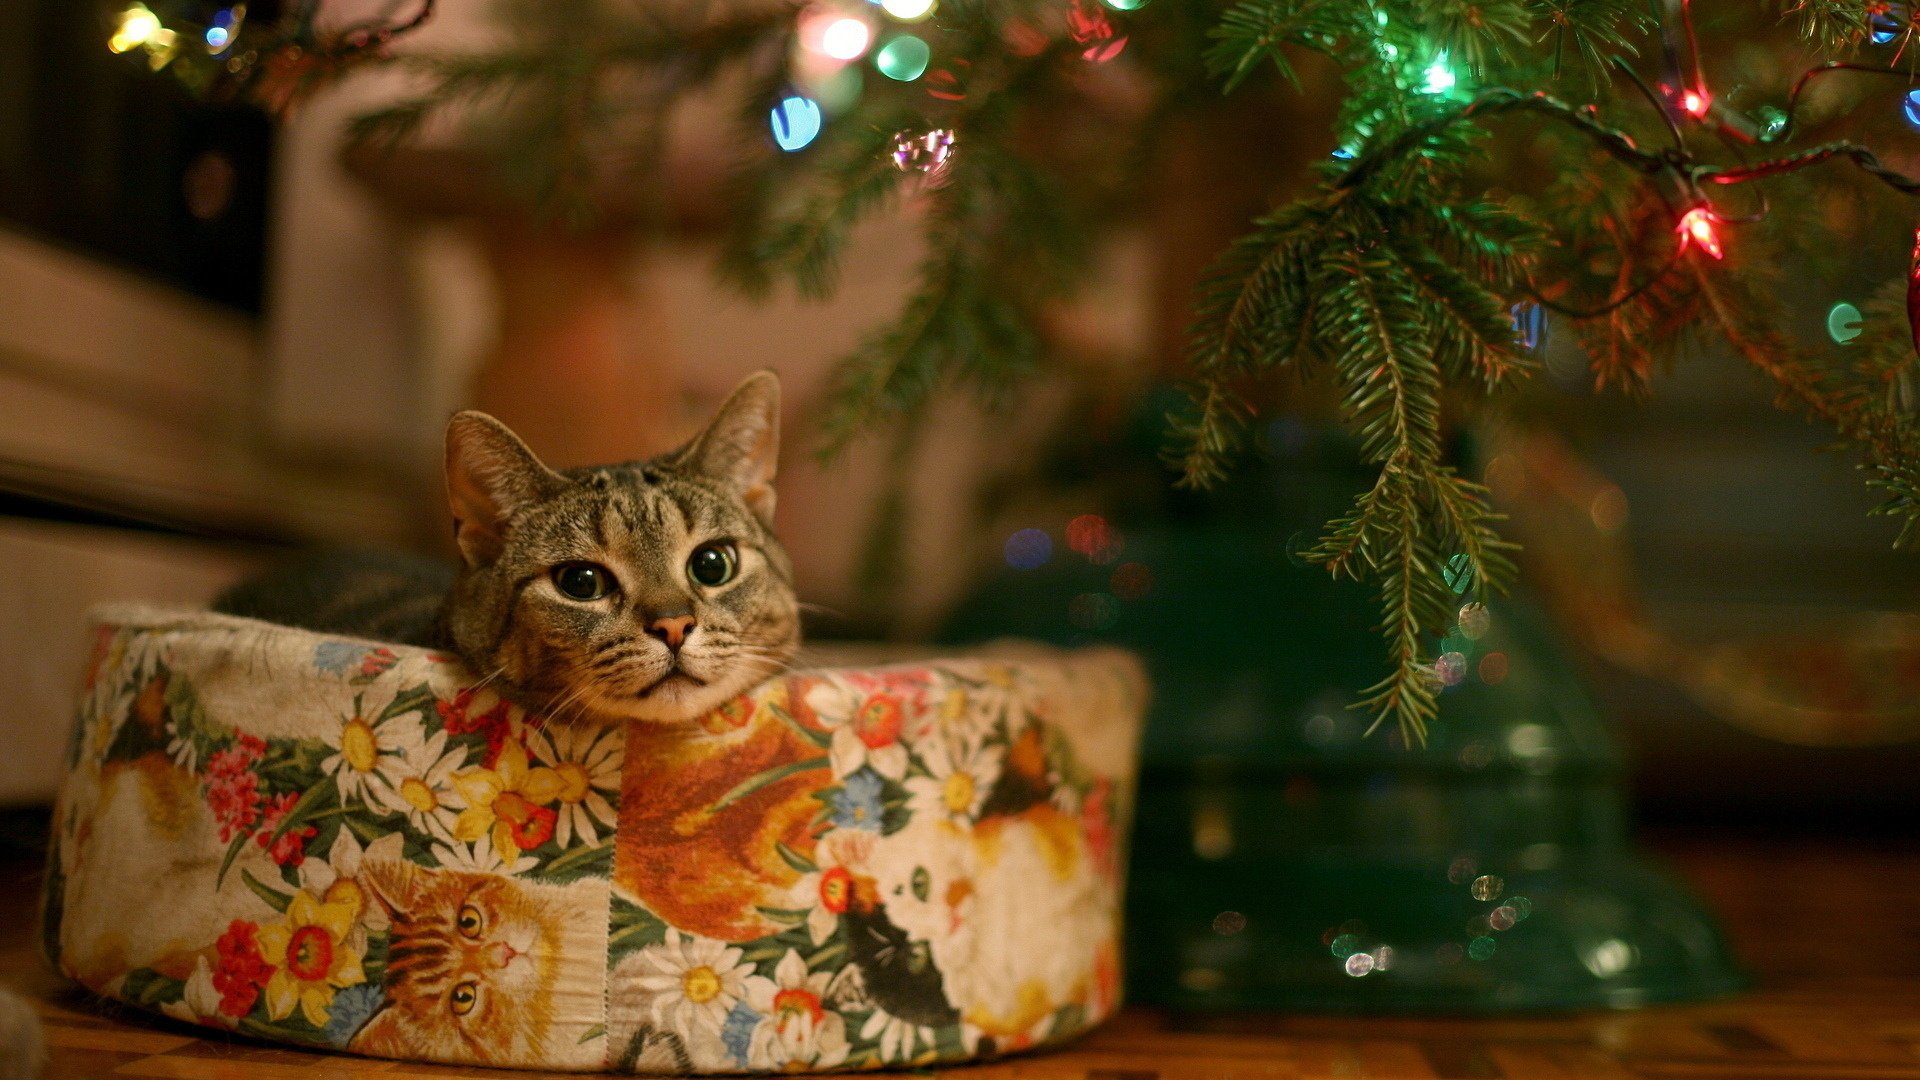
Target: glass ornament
pixel 923 152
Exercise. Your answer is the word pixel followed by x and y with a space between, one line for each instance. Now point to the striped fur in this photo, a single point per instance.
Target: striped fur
pixel 517 520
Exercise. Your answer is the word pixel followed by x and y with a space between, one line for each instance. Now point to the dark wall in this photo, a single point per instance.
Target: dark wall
pixel 101 155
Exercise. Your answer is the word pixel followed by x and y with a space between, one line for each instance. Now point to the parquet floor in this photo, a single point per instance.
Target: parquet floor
pixel 1831 932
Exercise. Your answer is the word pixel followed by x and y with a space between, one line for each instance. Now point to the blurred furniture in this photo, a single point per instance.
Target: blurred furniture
pixel 130 469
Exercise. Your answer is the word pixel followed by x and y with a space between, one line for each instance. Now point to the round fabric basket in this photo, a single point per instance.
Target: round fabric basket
pixel 353 846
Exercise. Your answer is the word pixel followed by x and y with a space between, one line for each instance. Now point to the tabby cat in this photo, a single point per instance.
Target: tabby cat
pixel 651 590
pixel 485 967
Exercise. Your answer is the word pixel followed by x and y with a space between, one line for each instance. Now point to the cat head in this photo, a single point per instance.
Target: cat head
pixel 922 877
pixel 472 964
pixel 649 590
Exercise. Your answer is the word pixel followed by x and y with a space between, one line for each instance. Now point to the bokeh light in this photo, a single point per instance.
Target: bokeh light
pixel 1029 549
pixel 1609 509
pixel 1475 621
pixel 137 27
pixel 1843 322
pixel 1459 573
pixel 1530 326
pixel 1487 887
pixel 1450 669
pixel 903 59
pixel 1228 923
pixel 1481 948
pixel 1125 5
pixel 1359 964
pixel 1493 668
pixel 1103 51
pixel 908 10
pixel 1439 77
pixel 1462 869
pixel 846 38
pixel 1886 24
pixel 796 122
pixel 1087 534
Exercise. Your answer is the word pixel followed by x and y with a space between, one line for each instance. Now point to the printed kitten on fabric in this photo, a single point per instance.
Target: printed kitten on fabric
pixel 651 590
pixel 477 966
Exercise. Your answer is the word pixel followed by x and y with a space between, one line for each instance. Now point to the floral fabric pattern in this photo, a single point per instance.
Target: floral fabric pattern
pixel 346 845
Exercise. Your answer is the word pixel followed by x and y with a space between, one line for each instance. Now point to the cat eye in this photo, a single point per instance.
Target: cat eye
pixel 582 580
pixel 471 922
pixel 463 997
pixel 714 564
pixel 922 884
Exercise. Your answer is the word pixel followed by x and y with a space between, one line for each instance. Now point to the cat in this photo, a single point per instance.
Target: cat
pixel 650 591
pixel 483 967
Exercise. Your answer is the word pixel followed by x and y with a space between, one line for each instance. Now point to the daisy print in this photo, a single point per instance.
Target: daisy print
pixel 692 983
pixel 798 1030
pixel 899 1040
pixel 960 773
pixel 361 746
pixel 587 761
pixel 483 858
pixel 418 783
pixel 827 892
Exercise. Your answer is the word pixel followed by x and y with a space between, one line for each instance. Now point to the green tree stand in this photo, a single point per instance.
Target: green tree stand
pixel 1284 860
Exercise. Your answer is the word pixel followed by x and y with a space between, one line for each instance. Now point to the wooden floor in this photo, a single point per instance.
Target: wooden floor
pixel 1831 932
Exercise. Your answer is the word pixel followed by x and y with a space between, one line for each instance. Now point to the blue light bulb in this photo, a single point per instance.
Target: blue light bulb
pixel 795 122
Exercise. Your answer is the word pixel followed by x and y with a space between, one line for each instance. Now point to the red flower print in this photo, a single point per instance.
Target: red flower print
pixel 291 847
pixel 377 661
pixel 458 718
pixel 836 889
pixel 531 825
pixel 879 720
pixel 234 798
pixel 240 971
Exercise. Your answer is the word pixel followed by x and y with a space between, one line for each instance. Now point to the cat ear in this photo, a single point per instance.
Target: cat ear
pixel 389 884
pixel 491 476
pixel 741 447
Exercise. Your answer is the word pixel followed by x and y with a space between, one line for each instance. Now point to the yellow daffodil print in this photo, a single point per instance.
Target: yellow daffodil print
pixel 509 803
pixel 312 956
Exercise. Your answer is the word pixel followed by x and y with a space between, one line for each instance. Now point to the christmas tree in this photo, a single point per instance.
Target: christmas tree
pixel 1638 168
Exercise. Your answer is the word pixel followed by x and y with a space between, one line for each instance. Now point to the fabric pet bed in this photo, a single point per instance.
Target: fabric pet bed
pixel 349 845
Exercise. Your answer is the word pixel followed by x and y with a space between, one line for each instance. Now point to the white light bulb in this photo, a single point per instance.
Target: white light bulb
pixel 907 10
pixel 845 39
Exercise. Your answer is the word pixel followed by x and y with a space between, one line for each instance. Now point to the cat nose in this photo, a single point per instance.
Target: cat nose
pixel 672 629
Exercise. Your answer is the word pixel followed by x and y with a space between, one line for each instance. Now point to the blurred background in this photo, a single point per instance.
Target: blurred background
pixel 224 337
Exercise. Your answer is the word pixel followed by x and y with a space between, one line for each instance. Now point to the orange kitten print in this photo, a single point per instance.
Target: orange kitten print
pixel 483 967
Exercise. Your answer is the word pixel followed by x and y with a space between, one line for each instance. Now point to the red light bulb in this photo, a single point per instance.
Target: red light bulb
pixel 1696 103
pixel 1697 227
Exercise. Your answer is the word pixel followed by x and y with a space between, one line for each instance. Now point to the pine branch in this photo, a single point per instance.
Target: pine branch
pixel 1254 31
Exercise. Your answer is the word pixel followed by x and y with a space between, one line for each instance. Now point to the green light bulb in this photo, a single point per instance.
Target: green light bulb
pixel 903 59
pixel 1440 77
pixel 1843 322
